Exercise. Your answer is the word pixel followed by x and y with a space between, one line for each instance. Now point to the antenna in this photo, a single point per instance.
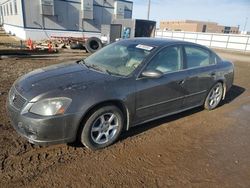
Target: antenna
pixel 245 25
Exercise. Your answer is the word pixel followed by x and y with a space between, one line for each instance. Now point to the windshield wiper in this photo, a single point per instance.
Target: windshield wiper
pixel 96 67
pixel 113 73
pixel 82 61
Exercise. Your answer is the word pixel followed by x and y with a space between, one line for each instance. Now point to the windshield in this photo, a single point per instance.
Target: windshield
pixel 119 58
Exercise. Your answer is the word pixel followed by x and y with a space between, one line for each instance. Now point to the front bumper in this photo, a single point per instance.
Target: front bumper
pixel 44 130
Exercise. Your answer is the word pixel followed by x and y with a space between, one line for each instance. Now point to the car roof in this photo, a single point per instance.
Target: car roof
pixel 159 42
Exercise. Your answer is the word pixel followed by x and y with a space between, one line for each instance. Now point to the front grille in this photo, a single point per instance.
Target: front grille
pixel 15 99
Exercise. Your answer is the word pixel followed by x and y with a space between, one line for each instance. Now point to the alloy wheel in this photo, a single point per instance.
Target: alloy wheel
pixel 104 128
pixel 215 95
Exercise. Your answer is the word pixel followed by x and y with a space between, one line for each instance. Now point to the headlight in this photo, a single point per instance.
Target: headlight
pixel 51 107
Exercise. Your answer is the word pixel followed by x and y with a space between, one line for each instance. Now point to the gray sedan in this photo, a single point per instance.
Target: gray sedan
pixel 127 83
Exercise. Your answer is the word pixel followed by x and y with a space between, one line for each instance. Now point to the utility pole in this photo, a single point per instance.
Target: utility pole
pixel 149 5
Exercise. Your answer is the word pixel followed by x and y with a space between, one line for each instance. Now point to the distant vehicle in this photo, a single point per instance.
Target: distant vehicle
pixel 126 83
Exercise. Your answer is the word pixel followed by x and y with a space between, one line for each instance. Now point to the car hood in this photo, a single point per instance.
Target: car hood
pixel 61 76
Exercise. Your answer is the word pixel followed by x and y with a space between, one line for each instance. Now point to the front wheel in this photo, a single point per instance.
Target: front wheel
pixel 102 128
pixel 214 97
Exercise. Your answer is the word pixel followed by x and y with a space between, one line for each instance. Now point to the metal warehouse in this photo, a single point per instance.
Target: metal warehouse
pixel 41 19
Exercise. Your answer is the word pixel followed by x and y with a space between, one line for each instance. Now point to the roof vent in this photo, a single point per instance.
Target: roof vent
pixel 87 9
pixel 47 7
pixel 119 10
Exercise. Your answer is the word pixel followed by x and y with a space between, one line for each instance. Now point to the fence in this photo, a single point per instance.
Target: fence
pixel 213 40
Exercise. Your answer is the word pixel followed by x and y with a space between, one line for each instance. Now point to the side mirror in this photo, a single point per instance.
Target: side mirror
pixel 152 74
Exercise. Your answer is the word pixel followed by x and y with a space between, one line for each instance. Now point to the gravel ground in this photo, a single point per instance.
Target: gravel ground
pixel 196 148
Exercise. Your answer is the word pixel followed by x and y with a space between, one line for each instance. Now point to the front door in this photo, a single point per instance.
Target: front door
pixel 156 97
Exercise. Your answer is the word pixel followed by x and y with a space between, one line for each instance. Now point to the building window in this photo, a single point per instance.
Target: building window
pixel 11 12
pixel 204 28
pixel 4 10
pixel 7 7
pixel 227 29
pixel 15 7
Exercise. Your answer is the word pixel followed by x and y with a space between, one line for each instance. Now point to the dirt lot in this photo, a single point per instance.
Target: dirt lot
pixel 193 149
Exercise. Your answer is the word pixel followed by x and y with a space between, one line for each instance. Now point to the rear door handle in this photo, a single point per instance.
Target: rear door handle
pixel 182 82
pixel 213 74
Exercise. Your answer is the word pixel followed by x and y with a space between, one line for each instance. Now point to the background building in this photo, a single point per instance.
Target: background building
pixel 197 26
pixel 40 19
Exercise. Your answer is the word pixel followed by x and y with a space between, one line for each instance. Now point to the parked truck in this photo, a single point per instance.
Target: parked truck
pixel 121 29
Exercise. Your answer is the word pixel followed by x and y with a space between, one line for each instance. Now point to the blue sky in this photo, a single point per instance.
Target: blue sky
pixel 225 12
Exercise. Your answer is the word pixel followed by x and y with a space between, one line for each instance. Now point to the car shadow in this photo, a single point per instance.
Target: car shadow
pixel 152 124
pixel 232 94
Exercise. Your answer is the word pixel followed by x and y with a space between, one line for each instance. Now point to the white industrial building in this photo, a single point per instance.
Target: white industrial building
pixel 41 19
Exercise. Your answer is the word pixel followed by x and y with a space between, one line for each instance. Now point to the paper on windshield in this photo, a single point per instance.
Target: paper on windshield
pixel 144 47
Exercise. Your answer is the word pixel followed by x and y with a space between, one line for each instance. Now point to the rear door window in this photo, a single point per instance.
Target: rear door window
pixel 197 57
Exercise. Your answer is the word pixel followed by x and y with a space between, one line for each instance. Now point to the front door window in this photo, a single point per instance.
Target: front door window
pixel 168 60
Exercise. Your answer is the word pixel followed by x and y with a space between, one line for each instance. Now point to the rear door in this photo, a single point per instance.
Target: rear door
pixel 159 96
pixel 201 70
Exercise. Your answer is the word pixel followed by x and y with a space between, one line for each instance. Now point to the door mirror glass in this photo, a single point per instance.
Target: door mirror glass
pixel 152 74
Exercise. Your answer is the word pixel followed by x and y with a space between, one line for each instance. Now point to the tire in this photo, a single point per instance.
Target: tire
pixel 214 96
pixel 100 130
pixel 93 44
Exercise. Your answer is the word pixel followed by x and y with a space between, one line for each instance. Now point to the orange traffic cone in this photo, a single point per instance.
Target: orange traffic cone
pixel 30 44
pixel 50 47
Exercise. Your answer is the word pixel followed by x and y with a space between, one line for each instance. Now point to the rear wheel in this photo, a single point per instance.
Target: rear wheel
pixel 214 96
pixel 102 128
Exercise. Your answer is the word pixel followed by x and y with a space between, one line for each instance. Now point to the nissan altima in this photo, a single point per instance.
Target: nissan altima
pixel 125 84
